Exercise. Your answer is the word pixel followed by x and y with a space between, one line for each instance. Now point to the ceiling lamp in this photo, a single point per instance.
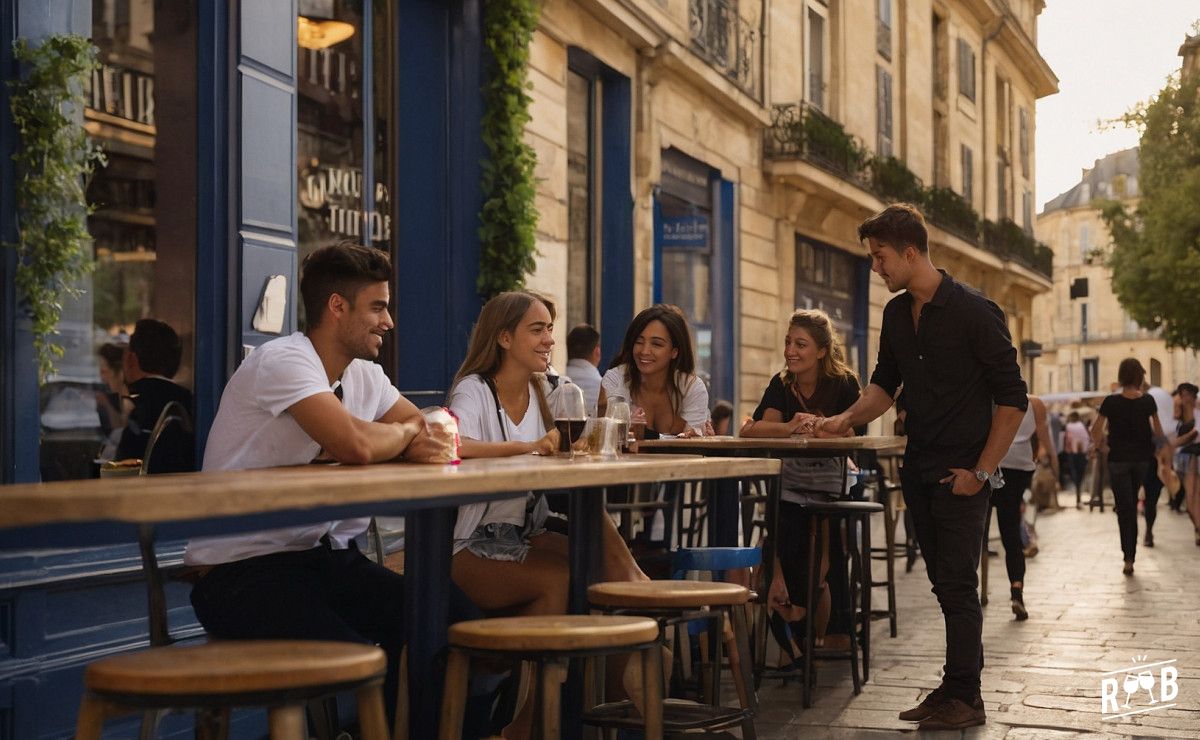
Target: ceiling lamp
pixel 321 33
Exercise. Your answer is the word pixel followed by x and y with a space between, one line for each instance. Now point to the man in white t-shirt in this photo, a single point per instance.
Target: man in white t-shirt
pixel 583 363
pixel 314 396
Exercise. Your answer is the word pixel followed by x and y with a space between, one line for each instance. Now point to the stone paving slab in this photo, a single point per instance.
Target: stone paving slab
pixel 1042 679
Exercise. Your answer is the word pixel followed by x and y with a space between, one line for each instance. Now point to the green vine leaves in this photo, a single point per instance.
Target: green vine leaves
pixel 53 162
pixel 508 220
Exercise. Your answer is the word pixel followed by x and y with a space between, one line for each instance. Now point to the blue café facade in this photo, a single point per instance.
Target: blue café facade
pixel 235 145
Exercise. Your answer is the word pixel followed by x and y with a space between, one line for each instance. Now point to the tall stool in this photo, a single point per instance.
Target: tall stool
pixel 888 492
pixel 551 641
pixel 282 675
pixel 856 515
pixel 677 602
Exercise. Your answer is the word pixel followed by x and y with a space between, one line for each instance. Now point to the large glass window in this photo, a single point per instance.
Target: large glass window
pixel 141 112
pixel 583 116
pixel 826 280
pixel 343 123
pixel 687 239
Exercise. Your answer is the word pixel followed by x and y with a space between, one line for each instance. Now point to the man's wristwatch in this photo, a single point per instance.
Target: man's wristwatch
pixel 996 479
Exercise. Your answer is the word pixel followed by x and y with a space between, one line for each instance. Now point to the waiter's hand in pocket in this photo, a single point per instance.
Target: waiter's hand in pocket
pixel 963 482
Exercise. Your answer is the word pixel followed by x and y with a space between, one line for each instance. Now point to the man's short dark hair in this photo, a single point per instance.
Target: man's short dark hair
pixel 1188 387
pixel 582 342
pixel 722 409
pixel 157 347
pixel 898 226
pixel 343 268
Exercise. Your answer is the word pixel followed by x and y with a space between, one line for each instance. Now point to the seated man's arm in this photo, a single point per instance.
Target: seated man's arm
pixel 351 440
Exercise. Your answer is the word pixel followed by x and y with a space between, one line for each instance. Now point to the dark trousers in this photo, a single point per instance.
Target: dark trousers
pixel 1153 488
pixel 1007 501
pixel 1078 465
pixel 1126 478
pixel 950 531
pixel 317 594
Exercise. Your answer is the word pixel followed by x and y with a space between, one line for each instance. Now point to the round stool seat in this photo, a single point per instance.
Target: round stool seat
pixel 236 667
pixel 667 594
pixel 553 633
pixel 830 508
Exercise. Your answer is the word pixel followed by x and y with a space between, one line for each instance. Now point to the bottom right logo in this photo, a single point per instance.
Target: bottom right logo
pixel 1145 687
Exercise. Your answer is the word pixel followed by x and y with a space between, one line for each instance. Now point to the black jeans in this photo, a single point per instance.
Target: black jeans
pixel 1007 501
pixel 950 532
pixel 1153 488
pixel 1078 465
pixel 1126 478
pixel 317 594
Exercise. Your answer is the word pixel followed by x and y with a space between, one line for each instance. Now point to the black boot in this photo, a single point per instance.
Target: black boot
pixel 1018 605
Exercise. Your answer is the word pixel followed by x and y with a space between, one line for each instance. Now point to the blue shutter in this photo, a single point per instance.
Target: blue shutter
pixel 264 169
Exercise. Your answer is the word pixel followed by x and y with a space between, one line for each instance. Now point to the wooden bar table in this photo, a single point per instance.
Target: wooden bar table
pixel 78 513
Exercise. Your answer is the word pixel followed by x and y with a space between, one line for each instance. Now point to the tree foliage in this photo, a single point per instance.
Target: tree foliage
pixel 1155 258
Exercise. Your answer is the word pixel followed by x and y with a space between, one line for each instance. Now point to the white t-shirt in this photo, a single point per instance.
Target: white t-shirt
pixel 475 406
pixel 254 430
pixel 1166 411
pixel 694 411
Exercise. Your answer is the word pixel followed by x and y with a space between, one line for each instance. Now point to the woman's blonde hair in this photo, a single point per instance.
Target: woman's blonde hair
pixel 816 322
pixel 502 313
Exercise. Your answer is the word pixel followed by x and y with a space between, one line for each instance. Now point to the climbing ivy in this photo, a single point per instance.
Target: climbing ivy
pixel 509 217
pixel 53 162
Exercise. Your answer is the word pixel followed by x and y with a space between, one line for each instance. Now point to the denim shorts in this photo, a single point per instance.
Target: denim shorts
pixel 506 541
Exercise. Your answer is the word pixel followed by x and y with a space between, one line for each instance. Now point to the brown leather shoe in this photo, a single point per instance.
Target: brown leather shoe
pixel 954 714
pixel 926 708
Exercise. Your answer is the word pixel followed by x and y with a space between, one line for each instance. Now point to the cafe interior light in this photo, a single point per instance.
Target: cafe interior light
pixel 321 33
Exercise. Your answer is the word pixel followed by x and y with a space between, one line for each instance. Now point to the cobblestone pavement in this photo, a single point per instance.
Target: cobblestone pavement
pixel 1042 677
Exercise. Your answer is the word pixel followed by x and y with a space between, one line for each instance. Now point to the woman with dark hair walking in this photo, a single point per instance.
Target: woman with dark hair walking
pixel 1131 419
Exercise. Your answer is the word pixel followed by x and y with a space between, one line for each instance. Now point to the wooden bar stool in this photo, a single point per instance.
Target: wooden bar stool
pixel 281 675
pixel 677 602
pixel 548 641
pixel 856 515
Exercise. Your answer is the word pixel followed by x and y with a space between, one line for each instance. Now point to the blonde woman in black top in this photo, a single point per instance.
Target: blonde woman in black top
pixel 815 382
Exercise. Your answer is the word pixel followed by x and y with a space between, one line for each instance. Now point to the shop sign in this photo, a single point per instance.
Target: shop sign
pixel 685 232
pixel 338 191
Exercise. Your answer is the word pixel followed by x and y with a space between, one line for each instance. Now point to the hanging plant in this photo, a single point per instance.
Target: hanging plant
pixel 508 219
pixel 53 162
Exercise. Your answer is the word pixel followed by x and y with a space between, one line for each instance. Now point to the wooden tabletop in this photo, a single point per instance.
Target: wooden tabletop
pixel 716 444
pixel 193 496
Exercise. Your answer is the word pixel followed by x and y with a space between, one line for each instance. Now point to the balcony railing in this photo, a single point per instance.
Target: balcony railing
pixel 800 131
pixel 729 42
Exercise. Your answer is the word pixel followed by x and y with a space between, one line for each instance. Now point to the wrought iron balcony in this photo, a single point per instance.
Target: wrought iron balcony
pixel 729 42
pixel 798 130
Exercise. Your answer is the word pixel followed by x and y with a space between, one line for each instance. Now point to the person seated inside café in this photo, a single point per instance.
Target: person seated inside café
pixel 151 361
pixel 315 396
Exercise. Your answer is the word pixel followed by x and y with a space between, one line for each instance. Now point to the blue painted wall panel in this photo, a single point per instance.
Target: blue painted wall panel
pixel 268 148
pixel 260 260
pixel 266 37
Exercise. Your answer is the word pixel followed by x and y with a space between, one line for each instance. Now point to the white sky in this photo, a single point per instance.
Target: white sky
pixel 1108 55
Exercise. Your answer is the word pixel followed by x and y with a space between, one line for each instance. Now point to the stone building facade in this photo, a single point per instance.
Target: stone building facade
pixel 1084 331
pixel 755 136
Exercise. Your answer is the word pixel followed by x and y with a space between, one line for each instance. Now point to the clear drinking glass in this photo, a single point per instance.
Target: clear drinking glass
pixel 570 416
pixel 618 410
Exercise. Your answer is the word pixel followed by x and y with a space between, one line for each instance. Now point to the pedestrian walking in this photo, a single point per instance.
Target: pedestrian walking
pixel 1131 419
pixel 1017 468
pixel 950 347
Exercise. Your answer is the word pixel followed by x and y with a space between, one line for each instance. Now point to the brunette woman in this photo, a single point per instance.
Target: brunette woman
pixel 655 371
pixel 815 382
pixel 1131 419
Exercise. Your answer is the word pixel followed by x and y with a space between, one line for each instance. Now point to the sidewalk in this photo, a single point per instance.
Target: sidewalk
pixel 1042 677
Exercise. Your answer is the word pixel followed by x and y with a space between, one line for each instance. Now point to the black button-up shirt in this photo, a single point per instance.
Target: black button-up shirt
pixel 953 367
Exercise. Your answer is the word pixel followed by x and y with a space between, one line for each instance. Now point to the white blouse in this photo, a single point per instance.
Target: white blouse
pixel 694 410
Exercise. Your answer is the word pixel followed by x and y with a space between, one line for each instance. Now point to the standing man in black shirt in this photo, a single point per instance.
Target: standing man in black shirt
pixel 950 348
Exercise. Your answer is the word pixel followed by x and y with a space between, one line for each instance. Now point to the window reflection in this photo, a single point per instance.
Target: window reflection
pixel 143 228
